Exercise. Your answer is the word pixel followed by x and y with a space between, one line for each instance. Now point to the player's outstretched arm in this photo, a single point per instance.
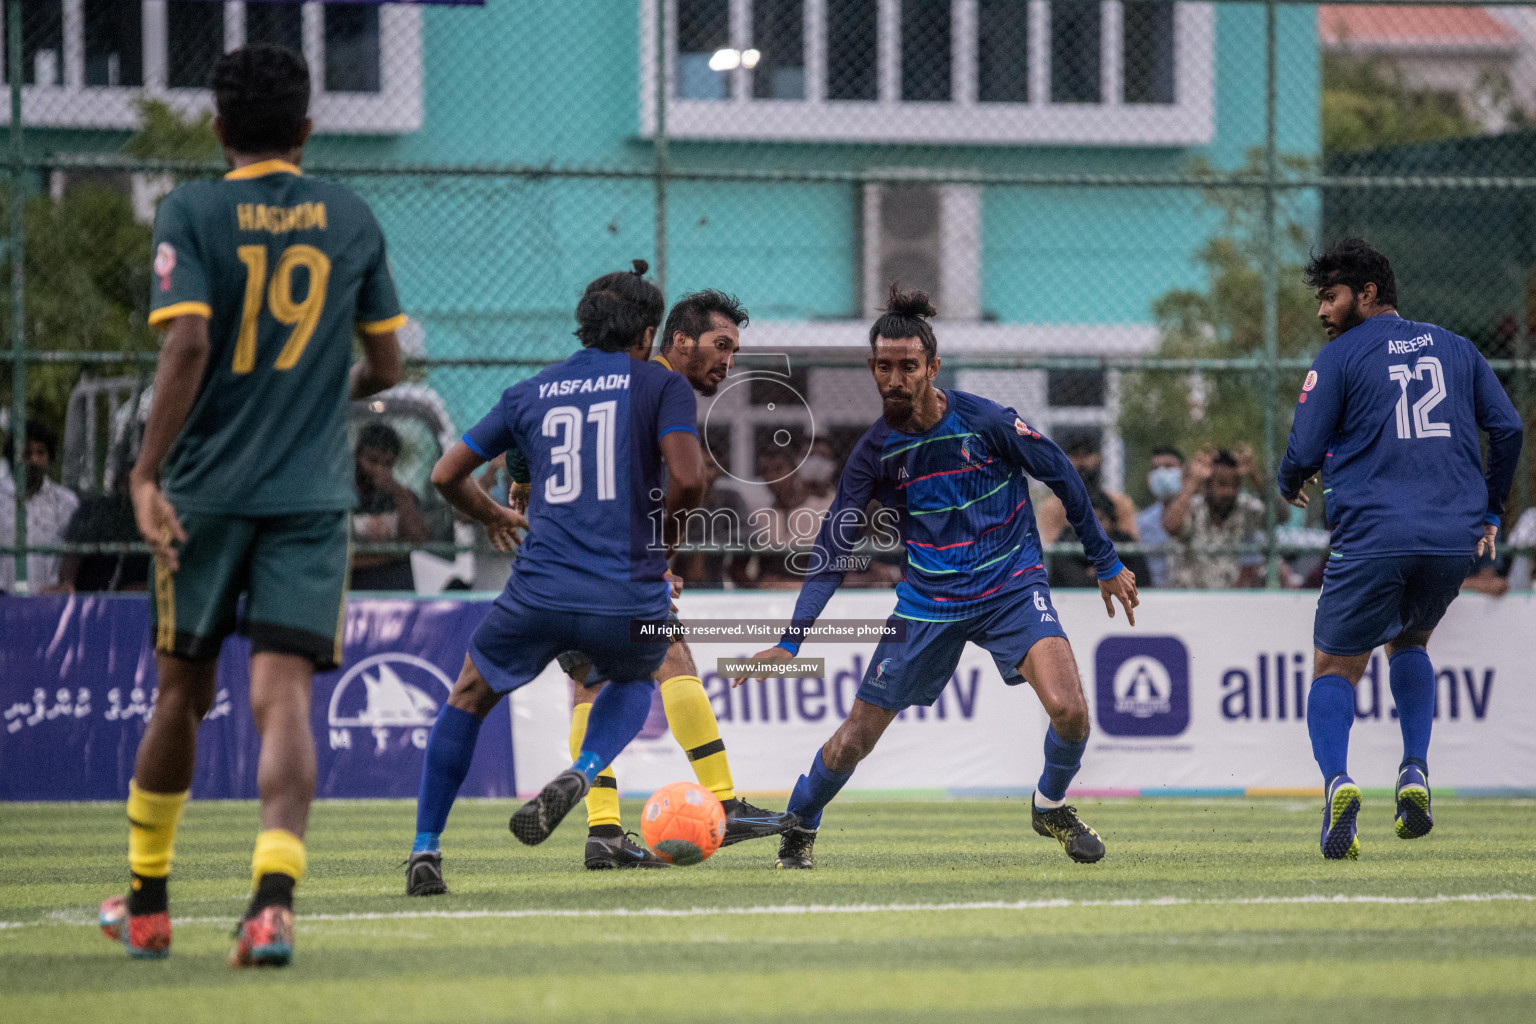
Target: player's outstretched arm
pixel 379 369
pixel 775 653
pixel 453 476
pixel 183 357
pixel 1121 587
pixel 1013 440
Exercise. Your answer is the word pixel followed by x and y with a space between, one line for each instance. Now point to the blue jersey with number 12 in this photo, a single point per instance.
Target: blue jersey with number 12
pixel 1390 413
pixel 590 427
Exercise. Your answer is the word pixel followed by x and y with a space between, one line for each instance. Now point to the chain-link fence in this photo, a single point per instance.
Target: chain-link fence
pixel 1110 203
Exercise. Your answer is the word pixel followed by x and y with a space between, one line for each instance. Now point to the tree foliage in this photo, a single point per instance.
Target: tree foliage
pixel 1223 320
pixel 87 264
pixel 1369 103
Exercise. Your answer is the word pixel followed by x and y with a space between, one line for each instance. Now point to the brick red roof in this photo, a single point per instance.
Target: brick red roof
pixel 1390 26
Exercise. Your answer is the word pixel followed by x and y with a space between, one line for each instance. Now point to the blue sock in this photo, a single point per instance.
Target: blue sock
pixel 427 842
pixel 1413 691
pixel 1062 760
pixel 617 717
pixel 814 791
pixel 1330 713
pixel 450 749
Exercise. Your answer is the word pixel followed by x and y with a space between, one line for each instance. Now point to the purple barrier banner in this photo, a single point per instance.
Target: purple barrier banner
pixel 78 684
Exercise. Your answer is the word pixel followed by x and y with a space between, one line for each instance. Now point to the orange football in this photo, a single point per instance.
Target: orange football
pixel 683 823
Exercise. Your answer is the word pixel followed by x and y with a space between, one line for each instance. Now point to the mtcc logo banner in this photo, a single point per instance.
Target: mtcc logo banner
pixel 385 694
pixel 1142 685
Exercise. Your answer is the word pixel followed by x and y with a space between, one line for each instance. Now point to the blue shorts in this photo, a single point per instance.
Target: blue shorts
pixel 1367 602
pixel 916 670
pixel 579 667
pixel 516 642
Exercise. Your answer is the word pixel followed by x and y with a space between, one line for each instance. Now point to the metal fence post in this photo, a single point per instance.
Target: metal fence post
pixel 659 148
pixel 17 255
pixel 1271 299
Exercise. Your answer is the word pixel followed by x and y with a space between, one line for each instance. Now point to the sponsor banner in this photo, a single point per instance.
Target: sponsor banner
pixel 78 685
pixel 1208 691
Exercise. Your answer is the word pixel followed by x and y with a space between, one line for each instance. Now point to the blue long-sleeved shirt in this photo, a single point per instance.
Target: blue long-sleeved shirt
pixel 1390 413
pixel 961 501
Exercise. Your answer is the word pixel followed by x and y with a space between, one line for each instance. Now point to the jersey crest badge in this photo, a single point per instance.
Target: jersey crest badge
pixel 165 262
pixel 1310 382
pixel 965 448
pixel 1024 429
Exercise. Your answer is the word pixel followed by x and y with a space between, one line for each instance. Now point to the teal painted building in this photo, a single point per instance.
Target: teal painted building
pixel 490 260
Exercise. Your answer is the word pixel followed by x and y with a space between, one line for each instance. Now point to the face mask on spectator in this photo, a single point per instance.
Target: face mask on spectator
pixel 1165 482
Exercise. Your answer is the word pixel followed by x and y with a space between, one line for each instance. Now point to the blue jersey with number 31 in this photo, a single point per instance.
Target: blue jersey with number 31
pixel 1390 413
pixel 590 427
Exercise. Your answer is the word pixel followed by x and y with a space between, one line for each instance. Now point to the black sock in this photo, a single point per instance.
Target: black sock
pixel 274 890
pixel 147 896
pixel 605 831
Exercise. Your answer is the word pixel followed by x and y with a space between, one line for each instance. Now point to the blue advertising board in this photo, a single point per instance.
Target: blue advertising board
pixel 78 684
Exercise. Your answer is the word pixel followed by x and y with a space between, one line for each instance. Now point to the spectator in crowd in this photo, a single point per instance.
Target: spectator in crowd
pixel 820 468
pixel 1207 518
pixel 719 523
pixel 386 511
pixel 1523 535
pixel 1075 570
pixel 788 525
pixel 1051 517
pixel 1250 475
pixel 105 519
pixel 49 508
pixel 1485 578
pixel 1164 481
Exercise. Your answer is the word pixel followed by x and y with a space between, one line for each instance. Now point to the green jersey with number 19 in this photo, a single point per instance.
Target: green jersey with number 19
pixel 286 269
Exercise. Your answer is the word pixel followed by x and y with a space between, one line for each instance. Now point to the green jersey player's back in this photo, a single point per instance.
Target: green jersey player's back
pixel 286 269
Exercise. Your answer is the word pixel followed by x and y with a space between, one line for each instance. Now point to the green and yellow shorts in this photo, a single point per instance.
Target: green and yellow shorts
pixel 291 570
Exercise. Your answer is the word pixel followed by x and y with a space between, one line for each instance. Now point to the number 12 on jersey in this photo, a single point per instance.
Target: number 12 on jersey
pixel 1418 423
pixel 565 421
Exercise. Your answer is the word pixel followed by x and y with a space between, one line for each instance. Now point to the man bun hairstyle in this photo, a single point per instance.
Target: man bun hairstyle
pixel 261 93
pixel 906 315
pixel 1354 263
pixel 692 315
pixel 617 308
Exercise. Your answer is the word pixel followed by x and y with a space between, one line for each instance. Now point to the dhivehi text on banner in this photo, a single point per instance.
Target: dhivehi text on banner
pixel 78 684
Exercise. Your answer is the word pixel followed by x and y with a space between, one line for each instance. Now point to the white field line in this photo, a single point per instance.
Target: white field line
pixel 790 910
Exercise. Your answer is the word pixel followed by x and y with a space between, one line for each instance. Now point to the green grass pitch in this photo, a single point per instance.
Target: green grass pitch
pixel 918 911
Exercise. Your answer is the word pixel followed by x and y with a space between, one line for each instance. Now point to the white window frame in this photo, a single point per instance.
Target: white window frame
pixel 395 109
pixel 1188 121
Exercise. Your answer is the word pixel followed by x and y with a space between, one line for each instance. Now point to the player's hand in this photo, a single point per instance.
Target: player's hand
pixel 501 529
pixel 1121 588
pixel 1299 499
pixel 518 495
pixel 1487 545
pixel 774 653
pixel 157 522
pixel 676 583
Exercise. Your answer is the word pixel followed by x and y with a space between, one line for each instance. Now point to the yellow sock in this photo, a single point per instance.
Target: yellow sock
pixel 278 852
pixel 692 720
pixel 152 821
pixel 603 797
